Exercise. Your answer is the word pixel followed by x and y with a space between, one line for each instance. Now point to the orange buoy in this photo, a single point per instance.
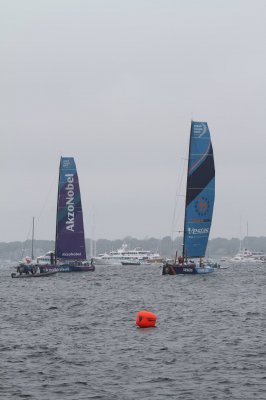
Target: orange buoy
pixel 146 319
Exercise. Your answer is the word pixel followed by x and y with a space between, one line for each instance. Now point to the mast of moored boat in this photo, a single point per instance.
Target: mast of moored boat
pixel 32 240
pixel 57 211
pixel 184 231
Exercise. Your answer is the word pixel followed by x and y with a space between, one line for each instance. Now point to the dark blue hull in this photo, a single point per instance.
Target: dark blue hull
pixel 40 275
pixel 186 269
pixel 67 268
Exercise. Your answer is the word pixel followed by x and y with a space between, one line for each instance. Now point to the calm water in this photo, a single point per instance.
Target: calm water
pixel 73 336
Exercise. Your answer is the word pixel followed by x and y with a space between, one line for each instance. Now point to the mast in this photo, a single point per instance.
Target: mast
pixel 184 232
pixel 94 252
pixel 91 248
pixel 32 240
pixel 247 236
pixel 92 240
pixel 57 210
pixel 94 248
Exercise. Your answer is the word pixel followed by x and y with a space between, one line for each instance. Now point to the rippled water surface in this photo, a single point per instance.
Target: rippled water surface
pixel 73 336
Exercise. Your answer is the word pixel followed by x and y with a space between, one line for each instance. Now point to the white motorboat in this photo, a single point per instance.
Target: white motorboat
pixel 45 259
pixel 123 254
pixel 248 256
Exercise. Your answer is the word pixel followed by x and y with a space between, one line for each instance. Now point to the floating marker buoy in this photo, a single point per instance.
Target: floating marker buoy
pixel 146 319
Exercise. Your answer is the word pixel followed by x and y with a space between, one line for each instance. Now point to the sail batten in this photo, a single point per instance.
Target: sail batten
pixel 200 191
pixel 70 238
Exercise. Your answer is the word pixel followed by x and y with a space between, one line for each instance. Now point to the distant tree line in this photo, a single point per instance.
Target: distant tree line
pixel 167 247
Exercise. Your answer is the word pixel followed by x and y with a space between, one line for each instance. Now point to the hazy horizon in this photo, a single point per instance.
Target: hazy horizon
pixel 29 238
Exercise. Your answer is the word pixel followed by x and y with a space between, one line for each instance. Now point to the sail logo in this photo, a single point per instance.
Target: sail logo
pixel 199 130
pixel 70 205
pixel 66 163
pixel 198 231
pixel 71 254
pixel 202 206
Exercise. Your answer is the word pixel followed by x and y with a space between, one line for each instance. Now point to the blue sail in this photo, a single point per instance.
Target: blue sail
pixel 200 191
pixel 70 239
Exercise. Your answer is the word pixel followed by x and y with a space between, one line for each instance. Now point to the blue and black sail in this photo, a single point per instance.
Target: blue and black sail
pixel 200 191
pixel 70 238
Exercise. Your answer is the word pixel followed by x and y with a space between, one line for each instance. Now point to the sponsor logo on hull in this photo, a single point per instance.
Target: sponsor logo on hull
pixel 188 270
pixel 56 269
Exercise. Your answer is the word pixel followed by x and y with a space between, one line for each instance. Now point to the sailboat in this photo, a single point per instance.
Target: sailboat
pixel 70 250
pixel 200 193
pixel 27 268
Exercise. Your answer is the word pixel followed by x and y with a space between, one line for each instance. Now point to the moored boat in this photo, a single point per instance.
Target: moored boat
pixel 246 256
pixel 36 275
pixel 155 260
pixel 123 254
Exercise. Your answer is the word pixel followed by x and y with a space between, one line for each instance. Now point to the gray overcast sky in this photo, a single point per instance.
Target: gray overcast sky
pixel 115 85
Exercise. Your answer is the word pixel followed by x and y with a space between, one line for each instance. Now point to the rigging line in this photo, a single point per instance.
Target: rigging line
pixel 23 245
pixel 53 185
pixel 182 166
pixel 176 203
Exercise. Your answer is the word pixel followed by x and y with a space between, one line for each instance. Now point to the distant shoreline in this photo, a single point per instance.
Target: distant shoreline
pixel 217 247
